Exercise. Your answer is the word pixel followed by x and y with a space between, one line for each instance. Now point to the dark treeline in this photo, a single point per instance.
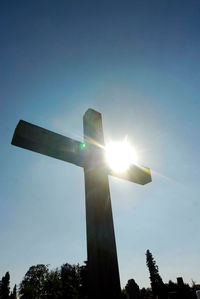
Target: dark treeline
pixel 70 281
pixel 170 290
pixel 39 282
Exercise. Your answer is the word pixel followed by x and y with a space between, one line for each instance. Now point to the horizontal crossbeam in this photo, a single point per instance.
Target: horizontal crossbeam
pixel 48 143
pixel 51 144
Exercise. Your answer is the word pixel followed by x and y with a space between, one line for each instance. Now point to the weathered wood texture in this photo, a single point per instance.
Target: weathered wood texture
pixel 51 144
pixel 102 255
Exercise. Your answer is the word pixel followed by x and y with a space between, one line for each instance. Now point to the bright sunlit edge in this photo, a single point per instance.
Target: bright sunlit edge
pixel 120 155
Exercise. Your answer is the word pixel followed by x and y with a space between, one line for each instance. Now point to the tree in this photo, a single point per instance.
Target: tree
pixel 70 281
pixel 183 289
pixel 157 285
pixel 172 287
pixel 5 286
pixel 70 277
pixel 132 289
pixel 123 295
pixel 145 293
pixel 83 287
pixel 13 294
pixel 33 284
pixel 53 285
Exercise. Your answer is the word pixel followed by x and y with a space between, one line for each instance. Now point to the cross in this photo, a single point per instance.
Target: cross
pixel 103 272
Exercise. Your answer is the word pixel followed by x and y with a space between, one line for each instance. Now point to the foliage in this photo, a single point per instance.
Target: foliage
pixel 83 283
pixel 5 286
pixel 123 296
pixel 70 281
pixel 157 285
pixel 132 289
pixel 53 285
pixel 183 289
pixel 146 293
pixel 13 294
pixel 171 287
pixel 33 284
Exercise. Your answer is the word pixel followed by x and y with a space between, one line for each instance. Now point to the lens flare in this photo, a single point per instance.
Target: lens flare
pixel 120 155
pixel 83 145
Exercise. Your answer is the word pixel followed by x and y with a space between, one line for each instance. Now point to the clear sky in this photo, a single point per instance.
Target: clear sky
pixel 138 63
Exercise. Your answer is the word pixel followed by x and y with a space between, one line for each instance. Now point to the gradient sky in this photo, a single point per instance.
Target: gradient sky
pixel 138 63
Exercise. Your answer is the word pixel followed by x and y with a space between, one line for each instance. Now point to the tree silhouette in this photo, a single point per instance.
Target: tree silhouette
pixel 33 284
pixel 70 281
pixel 132 289
pixel 70 278
pixel 183 289
pixel 13 294
pixel 5 286
pixel 146 293
pixel 157 285
pixel 53 285
pixel 172 287
pixel 83 287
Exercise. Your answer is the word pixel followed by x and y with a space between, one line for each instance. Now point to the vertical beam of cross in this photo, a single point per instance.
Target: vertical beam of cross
pixel 102 255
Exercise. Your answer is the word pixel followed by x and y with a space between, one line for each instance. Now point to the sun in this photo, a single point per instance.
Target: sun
pixel 120 155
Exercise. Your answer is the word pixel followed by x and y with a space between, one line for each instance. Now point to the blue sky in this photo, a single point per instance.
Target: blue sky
pixel 136 62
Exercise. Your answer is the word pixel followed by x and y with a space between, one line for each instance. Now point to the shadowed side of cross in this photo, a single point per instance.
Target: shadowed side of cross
pixel 37 139
pixel 102 255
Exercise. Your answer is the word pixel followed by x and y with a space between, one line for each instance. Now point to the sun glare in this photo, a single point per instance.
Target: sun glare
pixel 120 155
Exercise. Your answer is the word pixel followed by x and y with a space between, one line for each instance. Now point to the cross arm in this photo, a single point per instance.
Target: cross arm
pixel 48 143
pixel 51 144
pixel 135 173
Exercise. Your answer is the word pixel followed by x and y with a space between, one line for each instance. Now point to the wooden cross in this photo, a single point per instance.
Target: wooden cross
pixel 103 269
